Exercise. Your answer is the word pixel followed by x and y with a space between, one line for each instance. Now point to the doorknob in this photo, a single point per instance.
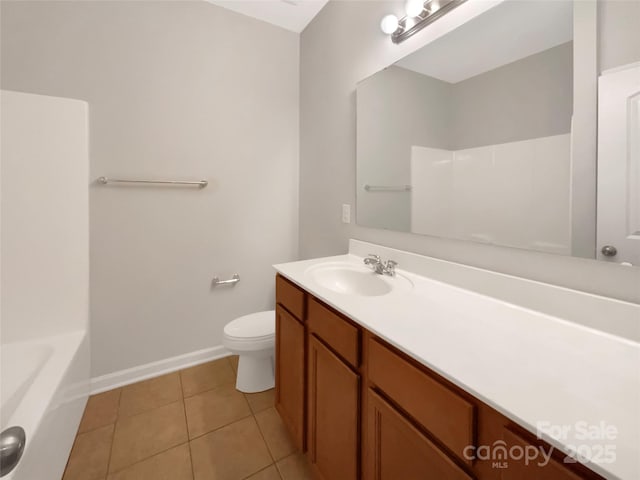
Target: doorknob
pixel 609 251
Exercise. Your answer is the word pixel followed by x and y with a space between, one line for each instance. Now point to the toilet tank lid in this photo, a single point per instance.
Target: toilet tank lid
pixel 260 324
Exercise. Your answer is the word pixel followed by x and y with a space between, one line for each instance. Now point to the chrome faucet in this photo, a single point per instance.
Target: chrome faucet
pixel 380 267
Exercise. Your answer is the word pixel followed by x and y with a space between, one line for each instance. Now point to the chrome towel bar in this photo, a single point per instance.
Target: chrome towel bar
pixel 232 281
pixel 387 188
pixel 107 180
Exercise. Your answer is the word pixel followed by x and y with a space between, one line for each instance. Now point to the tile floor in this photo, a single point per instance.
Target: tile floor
pixel 188 425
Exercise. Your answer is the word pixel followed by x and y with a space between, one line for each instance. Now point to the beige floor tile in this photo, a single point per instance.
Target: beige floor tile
pixel 269 473
pixel 275 433
pixel 89 457
pixel 149 394
pixel 141 436
pixel 294 467
pixel 207 376
pixel 213 409
pixel 173 464
pixel 101 410
pixel 230 453
pixel 233 360
pixel 262 400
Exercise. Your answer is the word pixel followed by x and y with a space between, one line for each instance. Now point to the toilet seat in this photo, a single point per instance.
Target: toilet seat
pixel 255 331
pixel 253 326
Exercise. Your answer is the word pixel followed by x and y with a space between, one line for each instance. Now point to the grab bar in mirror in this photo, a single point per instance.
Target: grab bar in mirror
pixel 106 180
pixel 387 188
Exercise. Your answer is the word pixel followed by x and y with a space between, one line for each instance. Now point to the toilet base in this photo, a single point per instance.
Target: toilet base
pixel 255 374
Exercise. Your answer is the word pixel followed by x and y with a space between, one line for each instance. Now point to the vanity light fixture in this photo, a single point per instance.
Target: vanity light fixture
pixel 419 14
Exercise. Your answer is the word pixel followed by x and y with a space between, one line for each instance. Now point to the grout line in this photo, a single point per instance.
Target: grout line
pixel 231 382
pixel 222 426
pixel 207 390
pixel 184 409
pixel 109 471
pixel 113 437
pixel 151 456
pixel 179 372
pixel 168 402
pixel 264 439
pixel 119 417
pixel 193 470
pixel 278 469
pixel 156 453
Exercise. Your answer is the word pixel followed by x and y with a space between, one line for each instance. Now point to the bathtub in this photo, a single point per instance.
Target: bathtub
pixel 44 388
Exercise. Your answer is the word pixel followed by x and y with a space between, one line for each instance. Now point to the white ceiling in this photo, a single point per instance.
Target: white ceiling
pixel 293 15
pixel 508 32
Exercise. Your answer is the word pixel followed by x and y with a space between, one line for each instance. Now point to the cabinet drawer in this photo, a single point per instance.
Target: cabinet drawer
pixel 536 468
pixel 448 416
pixel 290 297
pixel 396 450
pixel 337 332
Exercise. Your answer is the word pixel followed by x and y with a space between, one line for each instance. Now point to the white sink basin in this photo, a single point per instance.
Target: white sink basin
pixel 350 279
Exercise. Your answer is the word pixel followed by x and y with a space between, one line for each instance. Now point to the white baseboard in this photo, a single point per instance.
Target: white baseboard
pixel 155 369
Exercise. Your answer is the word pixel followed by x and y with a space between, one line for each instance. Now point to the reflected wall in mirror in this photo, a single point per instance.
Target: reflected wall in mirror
pixel 470 136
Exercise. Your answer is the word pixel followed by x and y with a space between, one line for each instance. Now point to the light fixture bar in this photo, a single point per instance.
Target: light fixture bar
pixel 433 10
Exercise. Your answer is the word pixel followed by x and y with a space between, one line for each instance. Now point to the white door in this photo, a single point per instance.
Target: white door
pixel 619 165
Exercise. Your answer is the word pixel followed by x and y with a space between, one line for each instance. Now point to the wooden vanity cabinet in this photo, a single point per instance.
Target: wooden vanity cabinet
pixel 362 409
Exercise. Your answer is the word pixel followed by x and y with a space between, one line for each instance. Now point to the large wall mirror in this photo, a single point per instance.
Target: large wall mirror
pixel 470 137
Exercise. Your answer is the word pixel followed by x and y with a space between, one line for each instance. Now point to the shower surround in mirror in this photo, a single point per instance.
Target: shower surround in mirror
pixel 479 126
pixel 480 193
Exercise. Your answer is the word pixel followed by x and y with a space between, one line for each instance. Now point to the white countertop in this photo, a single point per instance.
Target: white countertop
pixel 529 366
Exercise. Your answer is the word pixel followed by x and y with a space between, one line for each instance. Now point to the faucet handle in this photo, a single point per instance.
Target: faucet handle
pixel 373 261
pixel 390 268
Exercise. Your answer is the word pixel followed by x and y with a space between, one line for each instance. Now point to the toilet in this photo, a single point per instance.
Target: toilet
pixel 253 338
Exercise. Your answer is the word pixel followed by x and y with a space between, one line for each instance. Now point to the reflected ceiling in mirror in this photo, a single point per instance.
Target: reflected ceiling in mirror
pixel 470 136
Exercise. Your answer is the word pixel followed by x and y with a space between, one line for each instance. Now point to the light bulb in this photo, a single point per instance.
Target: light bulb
pixel 414 7
pixel 389 24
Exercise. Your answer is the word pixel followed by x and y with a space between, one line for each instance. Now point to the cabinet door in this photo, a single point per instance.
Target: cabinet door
pixel 395 449
pixel 333 414
pixel 290 374
pixel 537 468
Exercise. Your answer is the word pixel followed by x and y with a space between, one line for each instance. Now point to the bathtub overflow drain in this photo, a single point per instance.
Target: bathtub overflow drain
pixel 12 442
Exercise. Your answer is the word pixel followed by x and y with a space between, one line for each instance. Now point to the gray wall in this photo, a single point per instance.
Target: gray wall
pixel 346 37
pixel 175 90
pixel 619 23
pixel 397 108
pixel 529 98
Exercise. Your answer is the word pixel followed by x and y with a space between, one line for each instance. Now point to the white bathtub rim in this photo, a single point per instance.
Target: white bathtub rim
pixel 19 373
pixel 146 371
pixel 39 398
pixel 35 404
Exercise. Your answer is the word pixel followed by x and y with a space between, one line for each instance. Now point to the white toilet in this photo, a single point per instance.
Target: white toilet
pixel 253 338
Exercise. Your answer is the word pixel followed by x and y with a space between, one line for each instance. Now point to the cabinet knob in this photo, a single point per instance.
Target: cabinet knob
pixel 609 251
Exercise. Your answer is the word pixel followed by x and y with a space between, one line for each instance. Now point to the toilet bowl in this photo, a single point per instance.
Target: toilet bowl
pixel 252 337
